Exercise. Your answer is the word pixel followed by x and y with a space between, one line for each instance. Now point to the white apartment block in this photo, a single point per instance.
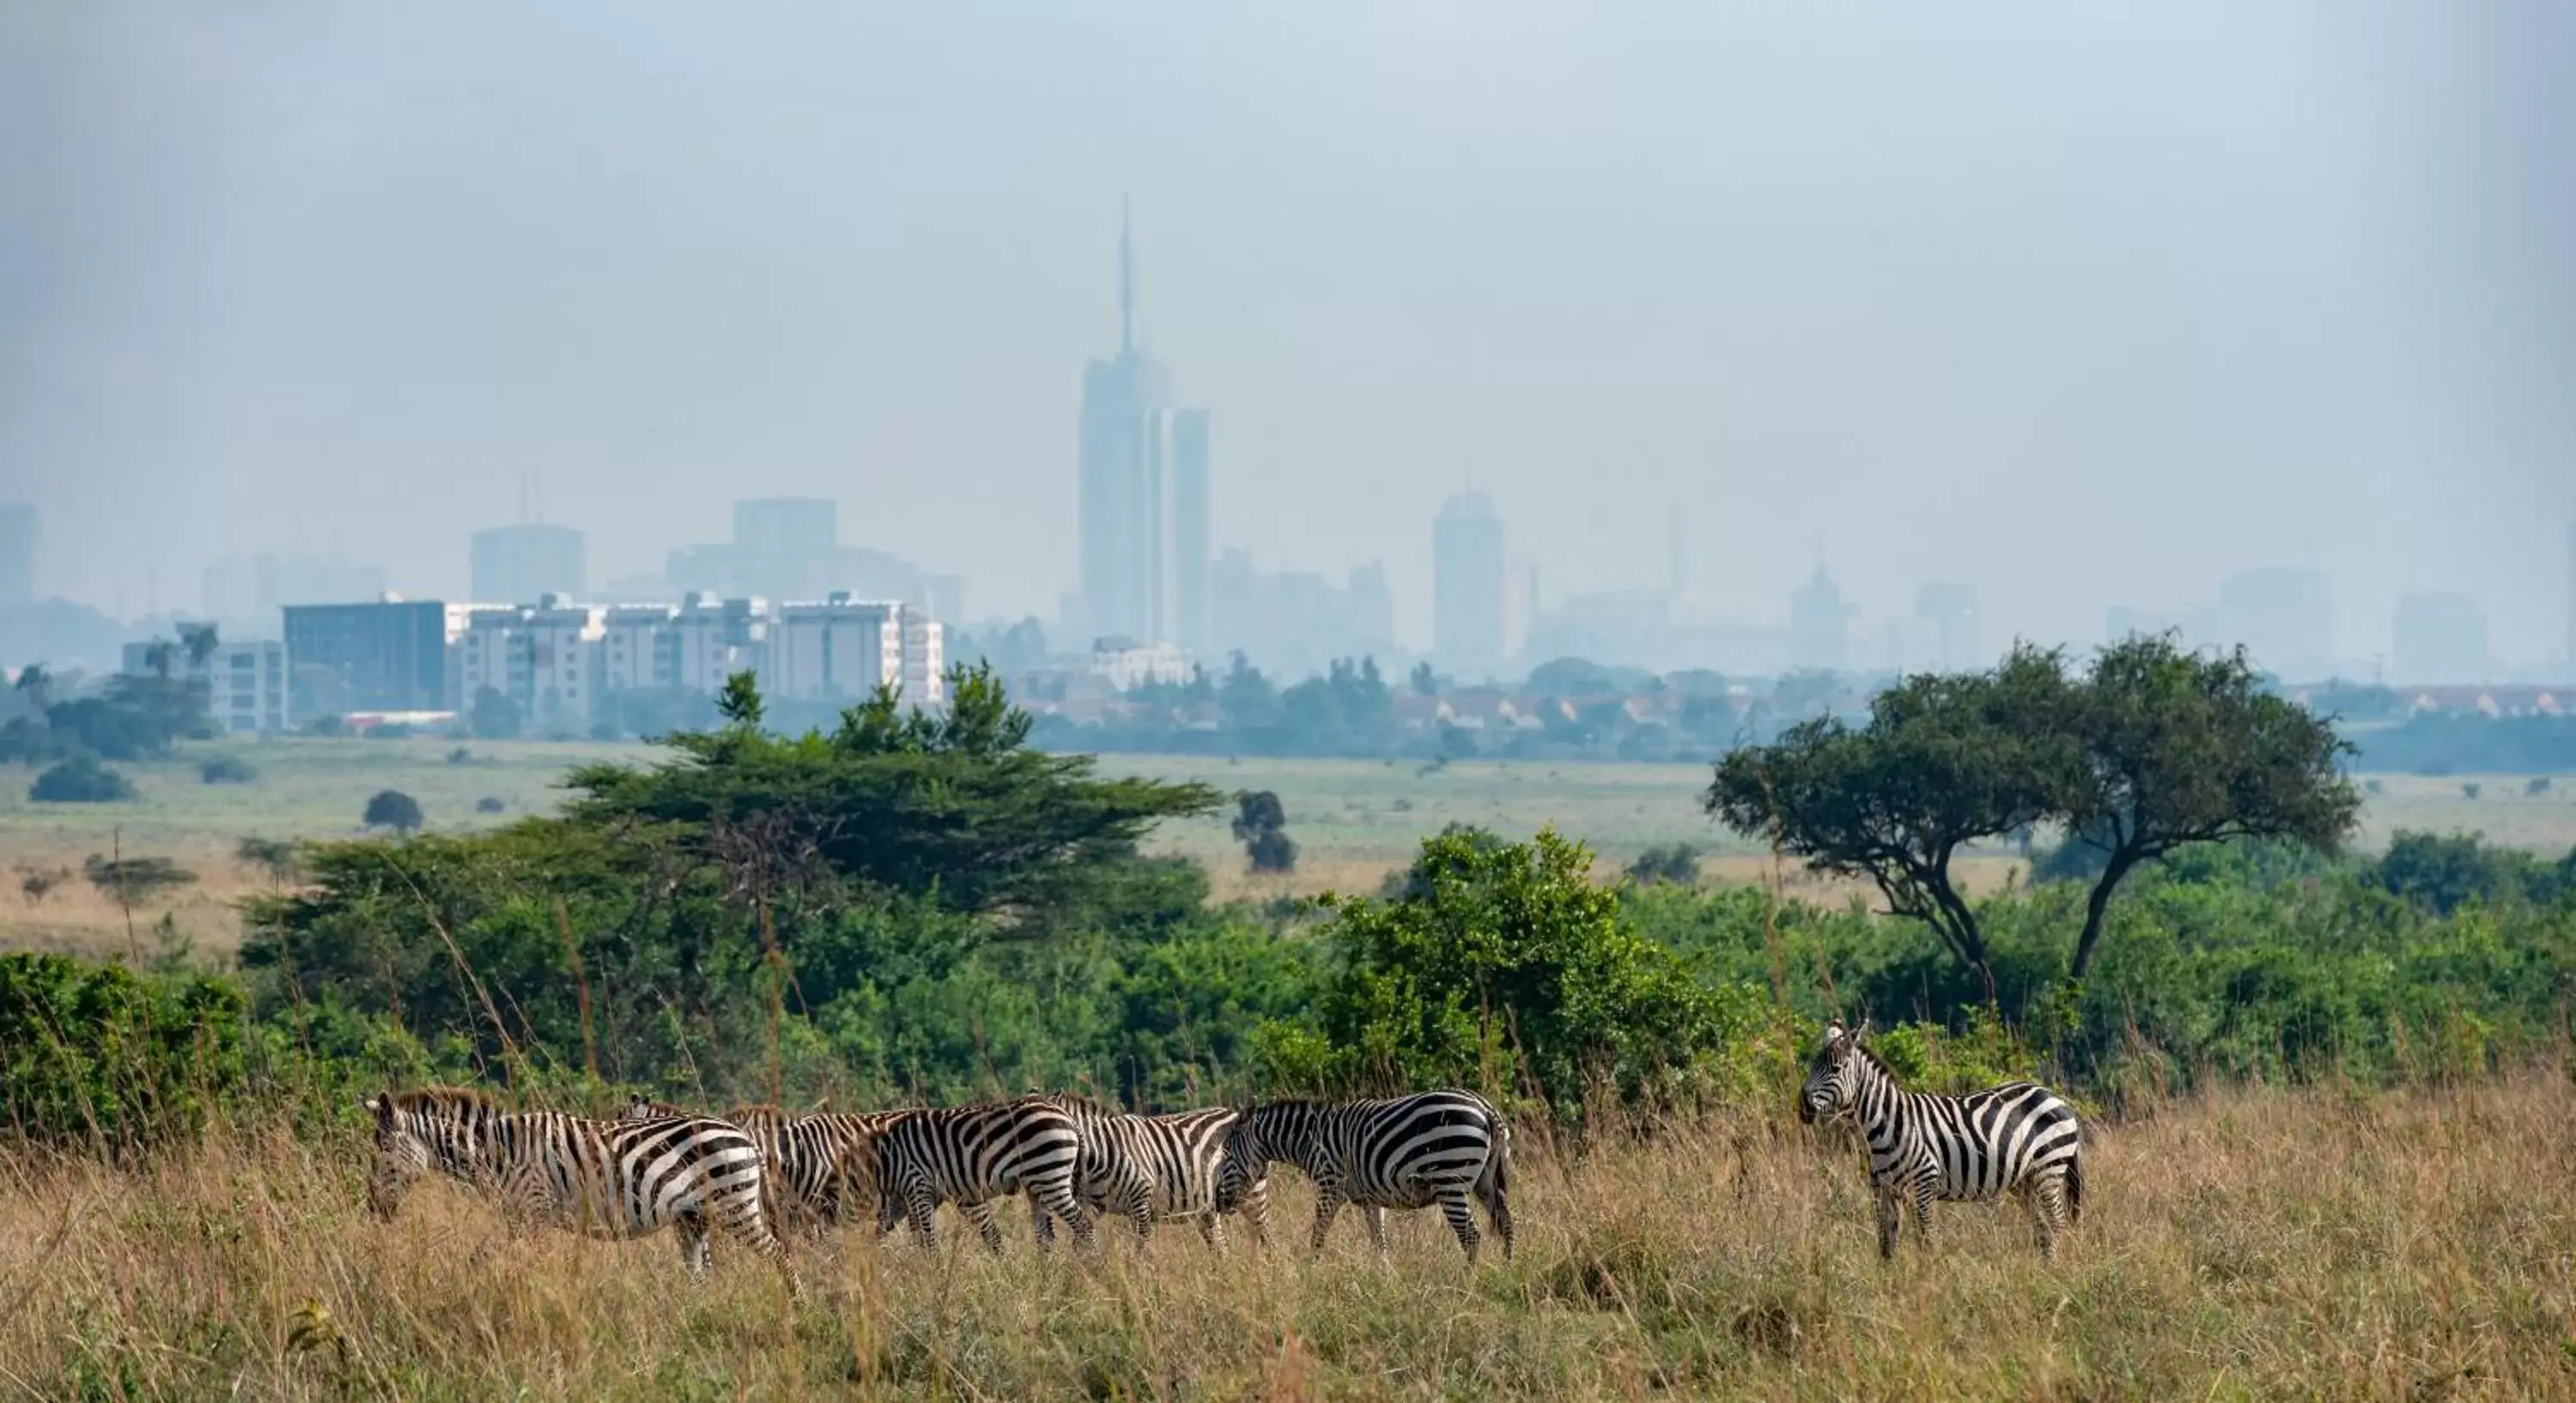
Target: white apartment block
pixel 837 650
pixel 1125 669
pixel 247 689
pixel 711 640
pixel 639 650
pixel 544 657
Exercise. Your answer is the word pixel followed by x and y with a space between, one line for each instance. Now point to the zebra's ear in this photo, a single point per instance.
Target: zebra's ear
pixel 1833 1032
pixel 1860 1032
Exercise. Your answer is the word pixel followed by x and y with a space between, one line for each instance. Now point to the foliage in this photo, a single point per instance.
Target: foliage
pixel 227 769
pixel 2443 743
pixel 96 1055
pixel 1945 759
pixel 1510 970
pixel 492 716
pixel 81 780
pixel 1261 825
pixel 133 881
pixel 1677 863
pixel 391 808
pixel 912 802
pixel 280 861
pixel 2445 873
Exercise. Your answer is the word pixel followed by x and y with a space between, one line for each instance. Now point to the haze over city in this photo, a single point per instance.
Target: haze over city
pixel 2080 310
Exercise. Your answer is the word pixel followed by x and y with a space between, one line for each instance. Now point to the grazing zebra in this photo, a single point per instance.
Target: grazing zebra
pixel 612 1178
pixel 815 1160
pixel 1166 1166
pixel 2017 1137
pixel 970 1155
pixel 1409 1152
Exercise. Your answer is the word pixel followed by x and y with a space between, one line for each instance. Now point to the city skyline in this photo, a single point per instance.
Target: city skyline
pixel 2129 350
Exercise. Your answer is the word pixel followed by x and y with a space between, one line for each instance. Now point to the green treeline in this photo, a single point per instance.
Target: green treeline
pixel 927 908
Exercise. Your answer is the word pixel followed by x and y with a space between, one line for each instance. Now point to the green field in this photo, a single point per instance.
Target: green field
pixel 1352 819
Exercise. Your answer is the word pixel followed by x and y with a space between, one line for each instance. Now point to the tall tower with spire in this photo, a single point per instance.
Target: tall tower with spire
pixel 1143 492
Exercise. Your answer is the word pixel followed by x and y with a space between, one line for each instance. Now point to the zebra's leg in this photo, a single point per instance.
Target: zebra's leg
pixel 1042 1222
pixel 980 1213
pixel 1462 1219
pixel 1499 1209
pixel 2048 1211
pixel 691 1224
pixel 1140 1210
pixel 1375 1217
pixel 1328 1202
pixel 1212 1230
pixel 1890 1214
pixel 1923 1212
pixel 922 1207
pixel 746 1222
pixel 1059 1198
pixel 1256 1211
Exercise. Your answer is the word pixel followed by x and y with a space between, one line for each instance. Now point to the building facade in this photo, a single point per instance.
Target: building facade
pixel 248 689
pixel 1142 491
pixel 1192 539
pixel 386 655
pixel 2437 640
pixel 1467 587
pixel 1819 625
pixel 519 563
pixel 843 649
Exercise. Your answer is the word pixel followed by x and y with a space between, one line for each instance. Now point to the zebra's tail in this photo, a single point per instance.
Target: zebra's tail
pixel 1494 1184
pixel 2075 1187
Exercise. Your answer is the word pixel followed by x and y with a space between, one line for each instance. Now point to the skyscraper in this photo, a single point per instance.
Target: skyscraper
pixel 516 564
pixel 1819 624
pixel 1952 611
pixel 1138 562
pixel 1467 587
pixel 2439 639
pixel 17 554
pixel 1190 533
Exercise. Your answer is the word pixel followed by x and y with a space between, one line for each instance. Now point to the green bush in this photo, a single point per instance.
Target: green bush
pixel 81 780
pixel 227 769
pixel 94 1055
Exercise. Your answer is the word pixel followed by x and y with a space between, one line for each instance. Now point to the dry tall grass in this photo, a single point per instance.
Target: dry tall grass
pixel 2259 1244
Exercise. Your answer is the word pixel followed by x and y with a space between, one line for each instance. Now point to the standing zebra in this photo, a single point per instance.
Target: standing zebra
pixel 613 1178
pixel 1409 1152
pixel 2017 1137
pixel 1166 1166
pixel 815 1160
pixel 970 1155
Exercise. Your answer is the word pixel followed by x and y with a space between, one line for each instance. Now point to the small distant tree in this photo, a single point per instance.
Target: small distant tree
pixel 2471 789
pixel 1674 863
pixel 227 769
pixel 460 756
pixel 489 804
pixel 391 808
pixel 326 724
pixel 1261 825
pixel 135 881
pixel 81 780
pixel 281 861
pixel 1425 683
pixel 199 642
pixel 493 715
pixel 2537 785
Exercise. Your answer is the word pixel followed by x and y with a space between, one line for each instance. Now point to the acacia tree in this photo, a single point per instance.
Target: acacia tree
pixel 2181 747
pixel 1944 760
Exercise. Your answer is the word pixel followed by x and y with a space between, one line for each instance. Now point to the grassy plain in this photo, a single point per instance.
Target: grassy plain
pixel 2256 1244
pixel 1353 819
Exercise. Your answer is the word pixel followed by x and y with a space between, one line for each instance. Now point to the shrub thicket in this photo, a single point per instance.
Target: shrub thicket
pixel 95 1055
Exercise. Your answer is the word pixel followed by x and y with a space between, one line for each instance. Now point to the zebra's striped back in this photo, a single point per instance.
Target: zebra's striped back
pixel 1439 1147
pixel 1164 1166
pixel 1925 1147
pixel 819 1162
pixel 626 1178
pixel 970 1155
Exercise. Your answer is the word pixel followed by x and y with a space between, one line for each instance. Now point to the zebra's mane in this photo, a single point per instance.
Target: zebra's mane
pixel 1073 1100
pixel 443 1100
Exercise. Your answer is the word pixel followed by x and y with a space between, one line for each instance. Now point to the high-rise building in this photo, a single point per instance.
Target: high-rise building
pixel 786 528
pixel 2438 639
pixel 517 564
pixel 1467 587
pixel 1819 625
pixel 1191 542
pixel 1951 609
pixel 17 554
pixel 1137 552
pixel 388 655
pixel 2284 617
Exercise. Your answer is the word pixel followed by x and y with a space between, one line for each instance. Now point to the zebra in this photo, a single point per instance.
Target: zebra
pixel 2018 1136
pixel 815 1159
pixel 1166 1166
pixel 970 1155
pixel 612 1178
pixel 1408 1152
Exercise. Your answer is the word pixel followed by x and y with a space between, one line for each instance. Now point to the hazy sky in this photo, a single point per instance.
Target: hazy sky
pixel 2084 306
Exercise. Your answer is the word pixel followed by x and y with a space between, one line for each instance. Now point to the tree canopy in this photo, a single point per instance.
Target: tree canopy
pixel 2151 748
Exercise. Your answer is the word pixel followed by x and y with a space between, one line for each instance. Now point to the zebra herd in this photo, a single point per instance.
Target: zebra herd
pixel 757 1169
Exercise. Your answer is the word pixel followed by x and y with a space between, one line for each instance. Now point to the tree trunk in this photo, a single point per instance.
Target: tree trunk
pixel 2098 904
pixel 1971 941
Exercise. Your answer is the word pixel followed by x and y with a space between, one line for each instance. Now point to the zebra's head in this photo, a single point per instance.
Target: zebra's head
pixel 1270 1131
pixel 1831 1086
pixel 415 1131
pixel 642 1107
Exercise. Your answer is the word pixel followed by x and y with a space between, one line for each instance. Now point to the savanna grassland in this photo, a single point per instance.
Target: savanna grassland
pixel 1354 820
pixel 2251 1244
